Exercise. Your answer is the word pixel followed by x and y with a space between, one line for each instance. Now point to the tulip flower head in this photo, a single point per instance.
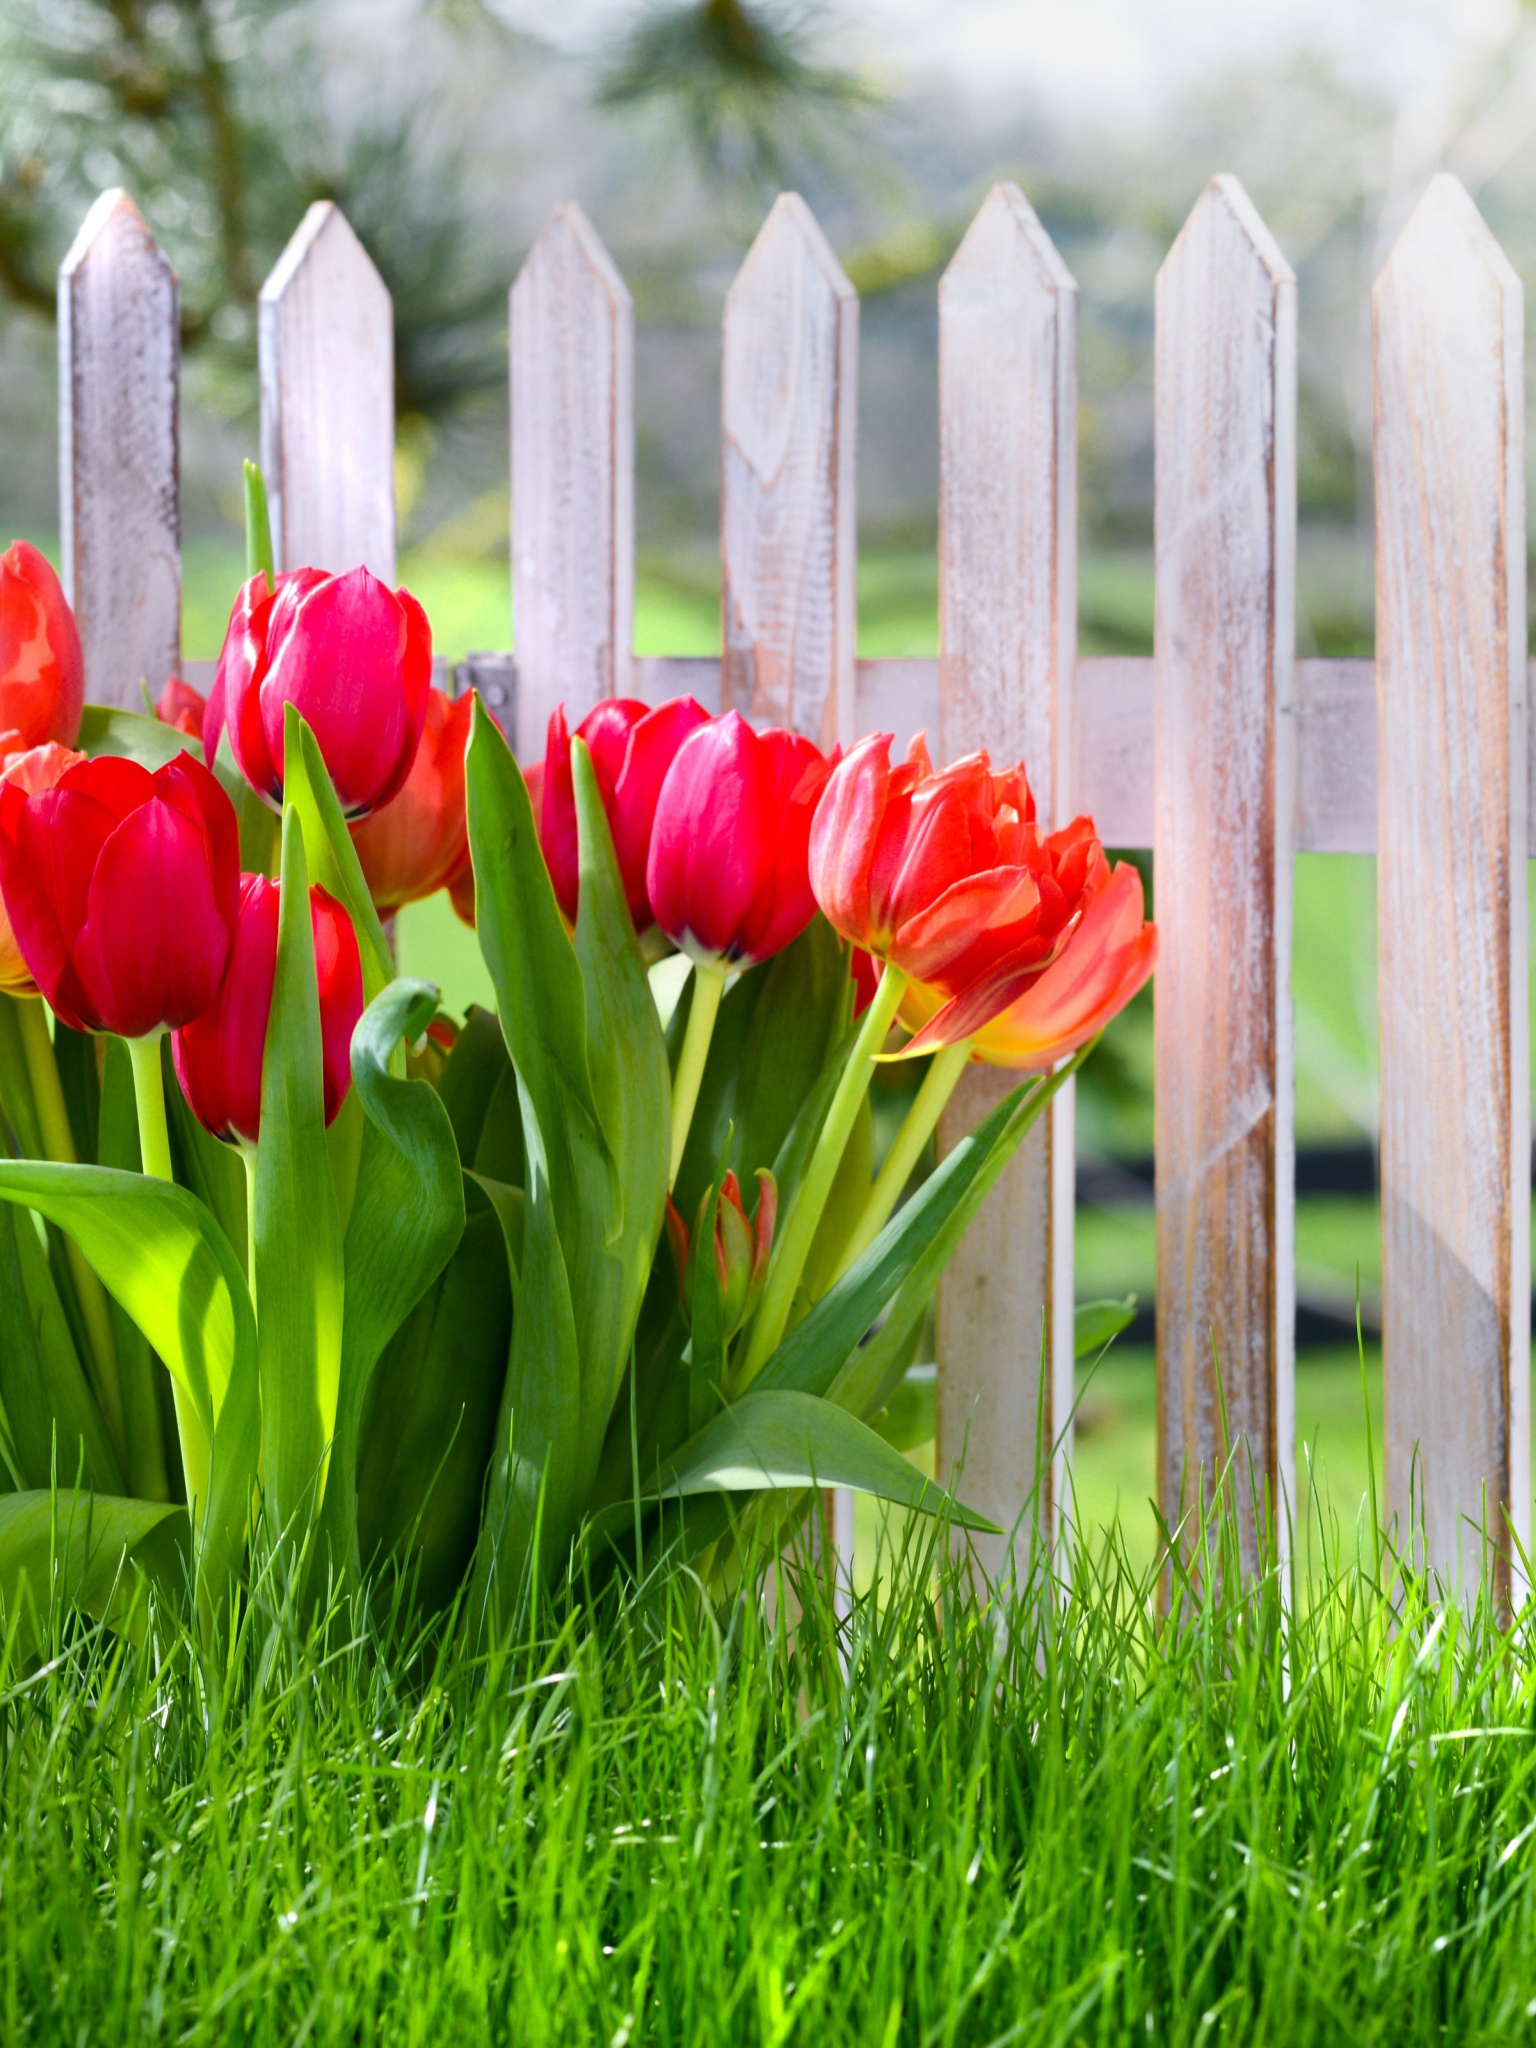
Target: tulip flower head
pixel 218 1056
pixel 727 874
pixel 419 841
pixel 741 1247
pixel 632 749
pixel 353 655
pixel 183 707
pixel 42 670
pixel 30 770
pixel 121 888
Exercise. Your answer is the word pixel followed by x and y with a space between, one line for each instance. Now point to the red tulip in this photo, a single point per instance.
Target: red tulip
pixel 183 707
pixel 353 655
pixel 947 877
pixel 42 670
pixel 417 844
pixel 1049 1012
pixel 741 1247
pixel 29 770
pixel 218 1056
pixel 121 888
pixel 632 748
pixel 727 870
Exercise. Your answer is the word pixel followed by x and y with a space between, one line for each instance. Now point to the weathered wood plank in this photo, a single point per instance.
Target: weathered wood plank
pixel 325 333
pixel 1008 635
pixel 119 487
pixel 789 409
pixel 573 476
pixel 1223 760
pixel 1450 678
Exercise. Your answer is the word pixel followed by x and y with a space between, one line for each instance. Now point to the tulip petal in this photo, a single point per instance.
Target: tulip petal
pixel 976 925
pixel 155 940
pixel 784 905
pixel 844 833
pixel 712 842
pixel 650 749
pixel 42 668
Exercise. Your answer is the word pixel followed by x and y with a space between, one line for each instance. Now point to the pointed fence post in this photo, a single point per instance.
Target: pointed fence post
pixel 573 476
pixel 325 332
pixel 1451 839
pixel 1224 657
pixel 788 533
pixel 1008 635
pixel 120 510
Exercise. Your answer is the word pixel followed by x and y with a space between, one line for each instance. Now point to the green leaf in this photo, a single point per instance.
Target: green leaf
pixel 210 1168
pixel 328 847
pixel 298 1247
pixel 62 1548
pixel 56 1429
pixel 160 1254
pixel 407 1217
pixel 106 730
pixel 781 1440
pixel 153 1451
pixel 471 1075
pixel 1096 1324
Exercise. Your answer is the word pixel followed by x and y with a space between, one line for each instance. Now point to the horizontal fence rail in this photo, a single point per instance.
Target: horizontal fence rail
pixel 1221 752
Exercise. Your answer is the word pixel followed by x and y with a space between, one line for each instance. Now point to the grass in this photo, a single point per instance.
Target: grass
pixel 1062 1820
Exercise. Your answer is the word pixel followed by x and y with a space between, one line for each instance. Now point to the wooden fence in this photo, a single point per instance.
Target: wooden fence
pixel 1223 753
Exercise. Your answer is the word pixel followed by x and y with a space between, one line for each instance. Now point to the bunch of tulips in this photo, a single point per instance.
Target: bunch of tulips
pixel 317 1271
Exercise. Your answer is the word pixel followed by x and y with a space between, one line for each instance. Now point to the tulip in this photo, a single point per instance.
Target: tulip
pixel 218 1056
pixel 741 1248
pixel 42 670
pixel 183 707
pixel 353 655
pixel 29 770
pixel 121 888
pixel 417 844
pixel 632 748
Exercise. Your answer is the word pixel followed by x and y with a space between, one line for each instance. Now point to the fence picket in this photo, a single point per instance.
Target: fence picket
pixel 1008 635
pixel 120 509
pixel 325 331
pixel 1450 681
pixel 1224 819
pixel 789 408
pixel 573 476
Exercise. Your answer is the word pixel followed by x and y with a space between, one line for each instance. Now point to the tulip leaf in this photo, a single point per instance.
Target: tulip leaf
pixel 55 1428
pixel 780 1440
pixel 1096 1324
pixel 204 1163
pixel 163 1258
pixel 406 1219
pixel 471 1074
pixel 60 1548
pixel 328 847
pixel 149 741
pixel 297 1232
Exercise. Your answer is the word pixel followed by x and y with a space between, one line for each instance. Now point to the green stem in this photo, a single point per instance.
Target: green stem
pixel 155 1154
pixel 58 1143
pixel 794 1246
pixel 248 1157
pixel 708 987
pixel 944 1071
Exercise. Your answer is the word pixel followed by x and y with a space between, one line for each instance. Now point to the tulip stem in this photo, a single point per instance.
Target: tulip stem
pixel 248 1159
pixel 810 1200
pixel 708 987
pixel 58 1143
pixel 944 1071
pixel 155 1156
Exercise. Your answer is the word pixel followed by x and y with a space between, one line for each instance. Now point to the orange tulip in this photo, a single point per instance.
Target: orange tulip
pixel 42 670
pixel 31 769
pixel 1035 1017
pixel 418 843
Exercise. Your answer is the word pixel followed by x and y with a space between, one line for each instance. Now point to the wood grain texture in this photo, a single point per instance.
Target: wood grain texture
pixel 120 507
pixel 789 412
pixel 573 476
pixel 1451 706
pixel 1007 636
pixel 1223 759
pixel 326 340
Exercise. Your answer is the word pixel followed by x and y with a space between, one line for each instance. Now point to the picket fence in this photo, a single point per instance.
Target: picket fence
pixel 1223 753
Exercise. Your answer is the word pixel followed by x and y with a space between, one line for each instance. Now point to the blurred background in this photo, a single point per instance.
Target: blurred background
pixel 448 128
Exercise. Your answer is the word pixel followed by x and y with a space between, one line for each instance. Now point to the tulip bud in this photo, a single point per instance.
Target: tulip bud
pixel 218 1056
pixel 29 770
pixel 121 887
pixel 632 748
pixel 183 707
pixel 741 1248
pixel 418 842
pixel 727 871
pixel 356 659
pixel 42 670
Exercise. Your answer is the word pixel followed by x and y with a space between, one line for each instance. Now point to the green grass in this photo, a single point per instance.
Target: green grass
pixel 1062 1821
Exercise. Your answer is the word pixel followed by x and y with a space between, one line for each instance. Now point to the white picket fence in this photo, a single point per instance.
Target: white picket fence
pixel 1223 753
